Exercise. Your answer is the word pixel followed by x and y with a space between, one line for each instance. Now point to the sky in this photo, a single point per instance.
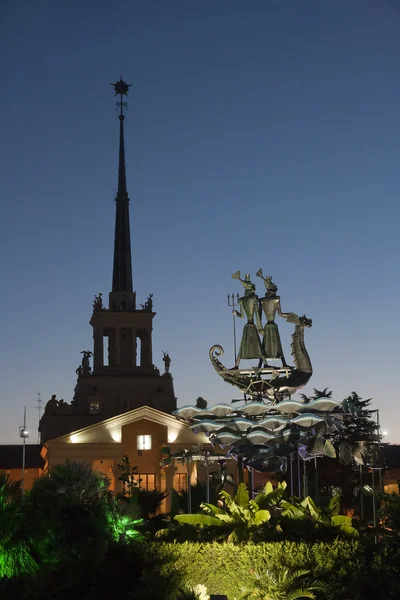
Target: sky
pixel 259 134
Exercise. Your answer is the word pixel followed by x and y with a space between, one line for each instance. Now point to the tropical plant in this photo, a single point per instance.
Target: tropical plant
pixel 127 474
pixel 237 521
pixel 70 512
pixel 15 551
pixel 285 584
pixel 389 511
pixel 306 517
pixel 197 592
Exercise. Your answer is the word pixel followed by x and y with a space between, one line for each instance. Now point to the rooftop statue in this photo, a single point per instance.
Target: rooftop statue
pixel 97 303
pixel 85 368
pixel 250 346
pixel 166 361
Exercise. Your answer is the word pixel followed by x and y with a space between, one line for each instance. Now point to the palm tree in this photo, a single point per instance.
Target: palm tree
pixel 15 552
pixel 284 585
pixel 71 514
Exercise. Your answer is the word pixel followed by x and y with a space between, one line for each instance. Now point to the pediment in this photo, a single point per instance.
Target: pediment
pixel 109 430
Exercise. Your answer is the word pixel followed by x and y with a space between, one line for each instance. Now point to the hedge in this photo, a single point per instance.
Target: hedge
pixel 352 571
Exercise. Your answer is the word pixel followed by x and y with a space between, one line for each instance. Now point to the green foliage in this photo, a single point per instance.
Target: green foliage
pixel 228 568
pixel 198 592
pixel 307 519
pixel 284 585
pixel 237 520
pixel 15 551
pixel 69 516
pixel 268 516
pixel 389 511
pixel 360 423
pixel 126 475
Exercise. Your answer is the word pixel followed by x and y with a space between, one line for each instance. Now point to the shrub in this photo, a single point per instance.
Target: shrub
pixel 350 569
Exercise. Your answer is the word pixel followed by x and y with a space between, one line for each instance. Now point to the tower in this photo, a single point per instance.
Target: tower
pixel 123 376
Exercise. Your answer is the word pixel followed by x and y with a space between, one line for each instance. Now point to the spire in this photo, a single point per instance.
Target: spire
pixel 122 267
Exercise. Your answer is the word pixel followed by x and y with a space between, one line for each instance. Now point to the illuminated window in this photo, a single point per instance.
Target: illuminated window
pixel 94 407
pixel 145 481
pixel 144 442
pixel 180 482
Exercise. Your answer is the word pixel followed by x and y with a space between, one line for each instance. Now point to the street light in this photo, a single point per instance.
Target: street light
pixel 23 433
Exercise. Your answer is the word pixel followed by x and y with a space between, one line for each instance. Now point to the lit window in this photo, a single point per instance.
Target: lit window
pixel 180 482
pixel 94 407
pixel 144 442
pixel 145 481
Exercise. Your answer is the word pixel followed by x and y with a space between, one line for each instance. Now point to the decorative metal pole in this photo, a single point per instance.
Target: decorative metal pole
pixel 298 475
pixel 232 302
pixel 361 494
pixel 189 487
pixel 291 461
pixel 23 433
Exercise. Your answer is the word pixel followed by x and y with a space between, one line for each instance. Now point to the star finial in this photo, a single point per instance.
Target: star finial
pixel 121 87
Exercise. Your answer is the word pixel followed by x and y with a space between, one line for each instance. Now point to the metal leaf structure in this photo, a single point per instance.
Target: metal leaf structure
pixel 360 452
pixel 226 437
pixel 254 408
pixel 241 424
pixel 345 454
pixel 273 423
pixel 307 420
pixel 206 425
pixel 290 406
pixel 188 412
pixel 317 447
pixel 323 404
pixel 259 435
pixel 221 410
pixel 329 449
pixel 274 464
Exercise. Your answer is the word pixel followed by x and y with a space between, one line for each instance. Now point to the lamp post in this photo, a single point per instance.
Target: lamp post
pixel 23 433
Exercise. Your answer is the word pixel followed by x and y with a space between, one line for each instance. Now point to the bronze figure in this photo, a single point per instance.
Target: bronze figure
pixel 250 345
pixel 271 304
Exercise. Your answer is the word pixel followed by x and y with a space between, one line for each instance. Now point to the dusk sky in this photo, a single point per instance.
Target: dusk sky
pixel 263 134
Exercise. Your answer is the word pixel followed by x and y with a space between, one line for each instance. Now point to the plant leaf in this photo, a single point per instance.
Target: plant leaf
pixel 199 519
pixel 261 516
pixel 242 496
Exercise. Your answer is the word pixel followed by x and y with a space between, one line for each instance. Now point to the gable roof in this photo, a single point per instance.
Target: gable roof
pixel 11 456
pixel 115 423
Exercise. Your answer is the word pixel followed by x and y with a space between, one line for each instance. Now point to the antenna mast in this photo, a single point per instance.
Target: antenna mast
pixel 39 408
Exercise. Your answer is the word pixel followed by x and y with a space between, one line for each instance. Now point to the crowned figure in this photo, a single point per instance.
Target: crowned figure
pixel 250 345
pixel 270 304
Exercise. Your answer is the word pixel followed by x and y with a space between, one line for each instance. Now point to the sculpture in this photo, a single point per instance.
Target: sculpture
pixel 51 406
pixel 85 368
pixel 148 305
pixel 166 361
pixel 265 382
pixel 271 304
pixel 250 345
pixel 277 387
pixel 98 302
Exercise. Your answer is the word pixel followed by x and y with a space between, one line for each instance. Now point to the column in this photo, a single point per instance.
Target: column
pixel 98 352
pixel 133 334
pixel 143 344
pixel 117 347
pixel 146 353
